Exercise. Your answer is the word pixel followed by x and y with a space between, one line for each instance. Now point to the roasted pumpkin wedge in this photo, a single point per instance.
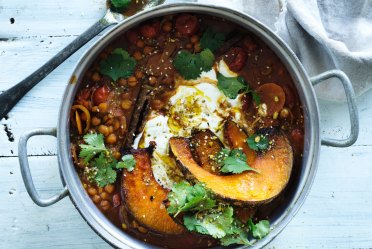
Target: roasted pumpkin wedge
pixel 144 196
pixel 236 138
pixel 249 187
pixel 205 145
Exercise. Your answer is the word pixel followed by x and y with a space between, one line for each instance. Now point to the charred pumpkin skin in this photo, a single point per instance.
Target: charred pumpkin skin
pixel 205 146
pixel 247 188
pixel 236 138
pixel 144 196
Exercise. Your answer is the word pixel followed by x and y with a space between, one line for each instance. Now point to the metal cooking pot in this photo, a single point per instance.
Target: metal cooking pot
pixel 301 184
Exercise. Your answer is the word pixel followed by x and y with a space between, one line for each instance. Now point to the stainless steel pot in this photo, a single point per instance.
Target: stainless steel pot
pixel 304 84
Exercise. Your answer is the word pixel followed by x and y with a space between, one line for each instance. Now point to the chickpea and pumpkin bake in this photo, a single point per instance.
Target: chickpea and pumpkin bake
pixel 186 131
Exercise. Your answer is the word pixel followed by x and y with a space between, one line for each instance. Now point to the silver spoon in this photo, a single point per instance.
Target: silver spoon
pixel 10 97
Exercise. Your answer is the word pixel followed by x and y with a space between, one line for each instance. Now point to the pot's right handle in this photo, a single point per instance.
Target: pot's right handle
pixel 353 111
pixel 25 169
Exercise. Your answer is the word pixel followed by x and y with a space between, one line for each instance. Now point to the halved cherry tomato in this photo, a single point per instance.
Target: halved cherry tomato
pixel 187 24
pixel 235 58
pixel 273 96
pixel 150 30
pixel 132 36
pixel 100 94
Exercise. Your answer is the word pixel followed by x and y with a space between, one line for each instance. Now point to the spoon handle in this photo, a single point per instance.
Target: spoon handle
pixel 10 97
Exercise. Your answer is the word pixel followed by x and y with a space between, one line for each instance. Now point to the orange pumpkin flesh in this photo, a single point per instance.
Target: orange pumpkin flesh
pixel 248 187
pixel 144 196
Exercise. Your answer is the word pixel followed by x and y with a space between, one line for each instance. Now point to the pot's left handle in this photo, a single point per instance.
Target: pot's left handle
pixel 26 173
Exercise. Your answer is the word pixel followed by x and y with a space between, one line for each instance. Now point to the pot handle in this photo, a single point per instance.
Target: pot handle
pixel 353 111
pixel 26 173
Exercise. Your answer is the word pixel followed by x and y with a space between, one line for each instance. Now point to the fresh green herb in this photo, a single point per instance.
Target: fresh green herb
pixel 185 197
pixel 102 167
pixel 259 230
pixel 203 214
pixel 258 142
pixel 118 65
pixel 119 5
pixel 191 65
pixel 94 146
pixel 128 162
pixel 105 165
pixel 234 161
pixel 212 40
pixel 232 86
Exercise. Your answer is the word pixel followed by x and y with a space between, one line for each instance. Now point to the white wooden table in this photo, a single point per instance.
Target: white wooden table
pixel 336 214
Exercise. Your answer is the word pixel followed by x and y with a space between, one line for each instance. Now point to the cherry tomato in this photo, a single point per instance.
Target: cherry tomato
pixel 235 58
pixel 132 36
pixel 100 95
pixel 297 138
pixel 150 30
pixel 187 24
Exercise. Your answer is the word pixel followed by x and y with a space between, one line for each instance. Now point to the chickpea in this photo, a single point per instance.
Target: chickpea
pixel 105 196
pixel 142 229
pixel 126 104
pixel 116 124
pixel 153 80
pixel 92 191
pixel 103 129
pixel 109 121
pixel 148 50
pixel 103 107
pixel 116 154
pixel 96 121
pixel 95 109
pixel 137 55
pixel 96 77
pixel 167 26
pixel 194 39
pixel 110 188
pixel 111 129
pixel 100 190
pixel 157 104
pixel 132 81
pixel 122 82
pixel 96 199
pixel 138 74
pixel 111 139
pixel 105 205
pixel 140 43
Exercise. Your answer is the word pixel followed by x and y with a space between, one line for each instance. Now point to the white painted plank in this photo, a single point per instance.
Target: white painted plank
pixel 48 18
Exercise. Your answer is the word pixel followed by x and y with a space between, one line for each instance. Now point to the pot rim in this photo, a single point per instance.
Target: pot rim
pixel 100 224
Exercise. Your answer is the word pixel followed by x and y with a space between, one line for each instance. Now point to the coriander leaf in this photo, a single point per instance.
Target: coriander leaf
pixel 214 222
pixel 185 197
pixel 119 5
pixel 191 65
pixel 231 86
pixel 94 146
pixel 118 64
pixel 259 230
pixel 258 142
pixel 105 173
pixel 237 235
pixel 207 58
pixel 127 162
pixel 234 161
pixel 105 176
pixel 211 39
